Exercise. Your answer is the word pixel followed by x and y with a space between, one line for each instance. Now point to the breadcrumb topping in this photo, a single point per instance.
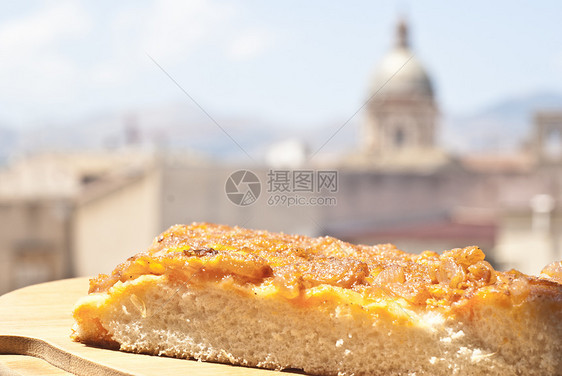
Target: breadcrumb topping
pixel 293 264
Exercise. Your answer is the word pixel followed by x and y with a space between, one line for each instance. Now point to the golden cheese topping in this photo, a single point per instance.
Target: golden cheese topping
pixel 299 267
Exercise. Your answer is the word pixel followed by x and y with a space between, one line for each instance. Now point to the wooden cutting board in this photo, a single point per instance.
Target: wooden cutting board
pixel 35 327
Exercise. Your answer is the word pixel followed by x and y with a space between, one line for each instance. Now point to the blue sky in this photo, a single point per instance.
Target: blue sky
pixel 291 62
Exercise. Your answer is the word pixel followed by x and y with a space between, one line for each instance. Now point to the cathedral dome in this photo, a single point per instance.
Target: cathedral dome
pixel 400 72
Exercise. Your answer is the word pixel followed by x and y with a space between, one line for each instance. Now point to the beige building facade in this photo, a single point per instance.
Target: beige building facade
pixel 50 227
pixel 115 220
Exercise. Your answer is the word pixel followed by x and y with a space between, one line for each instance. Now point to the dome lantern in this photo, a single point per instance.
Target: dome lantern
pixel 402 34
pixel 400 73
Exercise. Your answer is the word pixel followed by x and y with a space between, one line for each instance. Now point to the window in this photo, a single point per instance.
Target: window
pixel 399 138
pixel 553 144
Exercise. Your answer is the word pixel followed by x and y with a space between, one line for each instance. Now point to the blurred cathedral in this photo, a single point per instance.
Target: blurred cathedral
pixel 402 113
pixel 401 186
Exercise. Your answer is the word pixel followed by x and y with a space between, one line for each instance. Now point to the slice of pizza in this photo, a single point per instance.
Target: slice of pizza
pixel 255 298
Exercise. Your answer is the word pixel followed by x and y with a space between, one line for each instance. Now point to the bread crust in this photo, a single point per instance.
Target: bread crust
pixel 396 293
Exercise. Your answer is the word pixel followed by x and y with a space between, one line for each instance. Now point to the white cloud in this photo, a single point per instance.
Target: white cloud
pixel 174 28
pixel 72 57
pixel 43 28
pixel 249 45
pixel 168 30
pixel 33 68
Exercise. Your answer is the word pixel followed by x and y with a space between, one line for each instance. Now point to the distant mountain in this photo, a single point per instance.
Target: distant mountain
pixel 172 127
pixel 334 137
pixel 183 127
pixel 8 139
pixel 501 127
pixel 504 126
